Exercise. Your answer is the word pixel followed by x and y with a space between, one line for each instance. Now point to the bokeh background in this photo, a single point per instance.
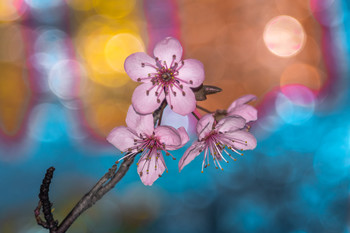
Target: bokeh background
pixel 63 88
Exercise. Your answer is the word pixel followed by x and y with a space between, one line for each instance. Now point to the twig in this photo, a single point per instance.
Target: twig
pixel 104 185
pixel 45 203
pixel 195 115
pixel 158 113
pixel 203 109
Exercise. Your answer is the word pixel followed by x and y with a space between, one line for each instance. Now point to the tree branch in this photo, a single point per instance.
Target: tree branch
pixel 104 185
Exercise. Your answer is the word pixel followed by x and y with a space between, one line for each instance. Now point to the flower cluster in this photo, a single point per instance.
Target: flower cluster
pixel 166 79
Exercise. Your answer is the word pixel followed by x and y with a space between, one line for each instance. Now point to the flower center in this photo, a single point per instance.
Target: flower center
pixel 166 76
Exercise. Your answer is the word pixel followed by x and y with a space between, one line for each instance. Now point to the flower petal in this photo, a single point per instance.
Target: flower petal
pixel 249 113
pixel 166 49
pixel 204 126
pixel 143 103
pixel 169 136
pixel 141 124
pixel 192 72
pixel 192 152
pixel 242 140
pixel 230 123
pixel 240 101
pixel 134 68
pixel 122 137
pixel 182 104
pixel 183 135
pixel 150 168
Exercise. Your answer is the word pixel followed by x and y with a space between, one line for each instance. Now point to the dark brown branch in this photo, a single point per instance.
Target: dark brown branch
pixel 96 193
pixel 45 203
pixel 158 113
pixel 195 115
pixel 203 109
pixel 104 185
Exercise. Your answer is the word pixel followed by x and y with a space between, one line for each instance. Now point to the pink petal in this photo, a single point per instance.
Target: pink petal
pixel 182 104
pixel 240 101
pixel 184 139
pixel 169 136
pixel 192 152
pixel 151 169
pixel 243 140
pixel 146 104
pixel 204 126
pixel 165 50
pixel 141 124
pixel 249 113
pixel 230 123
pixel 134 68
pixel 192 73
pixel 122 138
pixel 183 135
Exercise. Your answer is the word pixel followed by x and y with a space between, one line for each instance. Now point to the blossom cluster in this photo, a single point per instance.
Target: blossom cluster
pixel 166 79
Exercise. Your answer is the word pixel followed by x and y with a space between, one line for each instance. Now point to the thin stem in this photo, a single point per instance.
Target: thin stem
pixel 203 109
pixel 104 185
pixel 161 113
pixel 157 113
pixel 195 115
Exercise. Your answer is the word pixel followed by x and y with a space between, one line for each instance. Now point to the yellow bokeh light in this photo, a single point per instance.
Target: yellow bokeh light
pixel 115 9
pixel 284 36
pixel 120 47
pixel 104 44
pixel 94 53
pixel 9 9
pixel 110 80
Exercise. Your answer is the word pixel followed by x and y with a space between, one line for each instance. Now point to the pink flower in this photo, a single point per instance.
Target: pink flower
pixel 240 108
pixel 141 137
pixel 164 76
pixel 218 139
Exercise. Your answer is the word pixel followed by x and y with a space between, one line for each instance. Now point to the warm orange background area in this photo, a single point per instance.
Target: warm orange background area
pixel 227 36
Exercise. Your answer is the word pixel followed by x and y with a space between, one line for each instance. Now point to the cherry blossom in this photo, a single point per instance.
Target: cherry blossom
pixel 217 139
pixel 240 108
pixel 165 76
pixel 140 136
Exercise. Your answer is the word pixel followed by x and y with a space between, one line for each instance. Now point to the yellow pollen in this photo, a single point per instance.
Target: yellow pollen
pixel 202 171
pixel 166 171
pixel 222 169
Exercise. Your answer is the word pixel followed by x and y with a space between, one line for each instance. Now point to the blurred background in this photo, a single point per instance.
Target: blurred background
pixel 63 88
